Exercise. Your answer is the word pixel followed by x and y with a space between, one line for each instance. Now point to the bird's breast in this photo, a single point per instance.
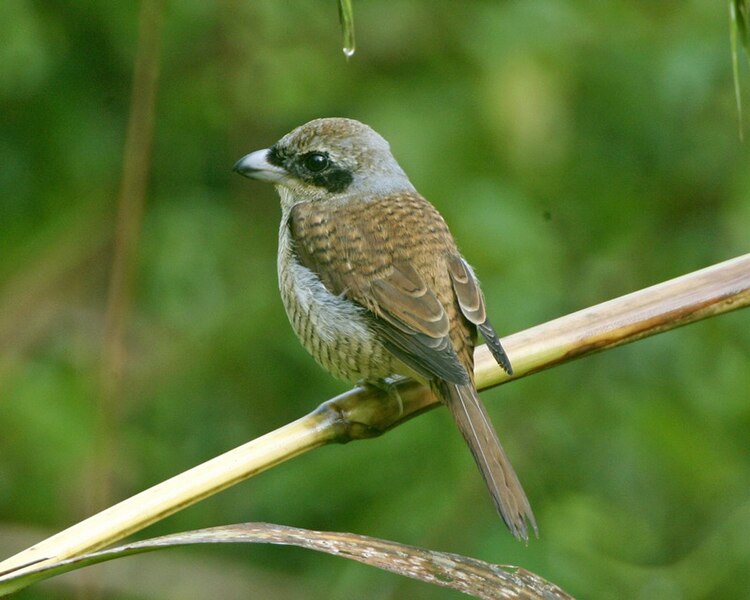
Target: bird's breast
pixel 333 329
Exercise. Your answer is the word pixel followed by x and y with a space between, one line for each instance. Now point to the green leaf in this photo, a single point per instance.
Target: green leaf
pixel 739 14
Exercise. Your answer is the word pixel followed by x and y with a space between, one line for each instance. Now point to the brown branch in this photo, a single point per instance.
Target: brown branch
pixel 365 412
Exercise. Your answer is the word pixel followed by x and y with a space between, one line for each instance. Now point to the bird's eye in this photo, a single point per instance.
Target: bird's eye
pixel 315 162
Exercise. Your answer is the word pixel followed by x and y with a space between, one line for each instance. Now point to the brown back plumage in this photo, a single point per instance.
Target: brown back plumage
pixel 391 257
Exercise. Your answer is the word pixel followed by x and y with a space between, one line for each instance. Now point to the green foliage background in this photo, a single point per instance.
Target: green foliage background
pixel 579 150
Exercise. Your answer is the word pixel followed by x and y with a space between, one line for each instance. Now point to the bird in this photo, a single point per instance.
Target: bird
pixel 374 285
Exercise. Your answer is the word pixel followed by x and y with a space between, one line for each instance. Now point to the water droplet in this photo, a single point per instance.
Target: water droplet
pixel 346 16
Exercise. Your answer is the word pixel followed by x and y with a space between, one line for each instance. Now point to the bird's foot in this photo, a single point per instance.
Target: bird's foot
pixel 389 386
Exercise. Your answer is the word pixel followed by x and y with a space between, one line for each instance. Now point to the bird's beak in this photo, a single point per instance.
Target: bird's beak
pixel 256 166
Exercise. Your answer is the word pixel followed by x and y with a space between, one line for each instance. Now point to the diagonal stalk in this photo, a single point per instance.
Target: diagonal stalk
pixel 364 412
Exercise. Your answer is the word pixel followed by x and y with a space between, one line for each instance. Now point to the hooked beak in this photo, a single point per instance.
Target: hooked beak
pixel 256 166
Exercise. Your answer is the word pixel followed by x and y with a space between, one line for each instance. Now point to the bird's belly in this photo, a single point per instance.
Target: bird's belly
pixel 332 328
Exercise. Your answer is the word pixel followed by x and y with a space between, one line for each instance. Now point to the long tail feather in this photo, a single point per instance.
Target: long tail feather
pixel 475 425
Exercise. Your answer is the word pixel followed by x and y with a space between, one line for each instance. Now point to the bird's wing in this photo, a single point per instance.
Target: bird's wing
pixel 471 301
pixel 365 252
pixel 414 325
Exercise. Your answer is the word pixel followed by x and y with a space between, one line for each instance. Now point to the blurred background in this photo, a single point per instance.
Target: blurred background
pixel 579 151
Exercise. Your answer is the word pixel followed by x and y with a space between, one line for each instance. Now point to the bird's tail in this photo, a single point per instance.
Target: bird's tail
pixel 475 425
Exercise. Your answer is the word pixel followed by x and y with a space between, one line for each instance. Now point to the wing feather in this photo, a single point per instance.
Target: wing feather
pixel 471 302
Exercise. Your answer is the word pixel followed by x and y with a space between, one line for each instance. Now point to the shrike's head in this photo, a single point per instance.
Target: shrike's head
pixel 328 159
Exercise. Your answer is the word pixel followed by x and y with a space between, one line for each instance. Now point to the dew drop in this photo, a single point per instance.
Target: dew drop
pixel 346 16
